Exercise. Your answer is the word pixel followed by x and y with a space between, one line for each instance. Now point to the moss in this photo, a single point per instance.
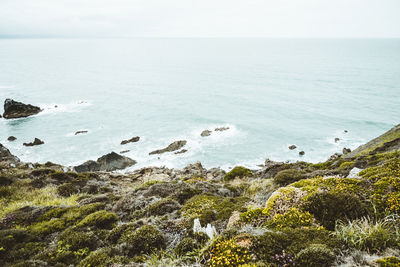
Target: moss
pixel 115 234
pixel 98 258
pixel 44 228
pixel 254 216
pixel 6 180
pixel 56 212
pixel 26 250
pixel 346 165
pixel 75 214
pixel 100 219
pixel 186 245
pixel 144 240
pixel 77 239
pixel 67 189
pixel 316 255
pixel 293 218
pixel 388 262
pixel 329 207
pixel 238 172
pixel 163 206
pixel 286 177
pixel 10 238
pixel 6 192
pixel 185 193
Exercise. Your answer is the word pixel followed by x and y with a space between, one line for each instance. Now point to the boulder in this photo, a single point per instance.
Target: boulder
pixel 205 133
pixel 301 153
pixel 346 150
pixel 14 109
pixel 36 142
pixel 80 132
pixel 172 147
pixel 345 131
pixel 6 156
pixel 132 140
pixel 109 162
pixel 220 129
pixel 11 138
pixel 292 147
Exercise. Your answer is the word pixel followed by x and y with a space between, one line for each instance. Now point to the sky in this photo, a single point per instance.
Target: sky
pixel 201 18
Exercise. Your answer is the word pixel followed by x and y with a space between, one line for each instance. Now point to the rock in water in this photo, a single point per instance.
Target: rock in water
pixel 132 140
pixel 292 147
pixel 6 156
pixel 206 133
pixel 109 162
pixel 36 142
pixel 14 109
pixel 181 151
pixel 220 129
pixel 172 147
pixel 80 132
pixel 337 139
pixel 12 138
pixel 301 153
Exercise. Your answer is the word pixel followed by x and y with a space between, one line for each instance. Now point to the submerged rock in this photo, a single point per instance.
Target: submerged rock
pixel 205 133
pixel 132 140
pixel 11 138
pixel 109 162
pixel 172 147
pixel 292 147
pixel 80 132
pixel 36 142
pixel 220 129
pixel 14 109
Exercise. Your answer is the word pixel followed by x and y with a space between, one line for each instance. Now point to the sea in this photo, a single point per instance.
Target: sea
pixel 271 93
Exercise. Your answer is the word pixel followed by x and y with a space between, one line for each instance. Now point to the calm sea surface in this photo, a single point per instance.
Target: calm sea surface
pixel 271 93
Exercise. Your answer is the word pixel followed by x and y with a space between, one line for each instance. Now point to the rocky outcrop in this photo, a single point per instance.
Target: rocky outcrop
pixel 36 142
pixel 11 138
pixel 172 147
pixel 132 140
pixel 6 156
pixel 387 142
pixel 109 162
pixel 346 150
pixel 14 109
pixel 205 133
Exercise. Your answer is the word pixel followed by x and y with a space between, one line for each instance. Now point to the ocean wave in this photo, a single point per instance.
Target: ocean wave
pixel 61 108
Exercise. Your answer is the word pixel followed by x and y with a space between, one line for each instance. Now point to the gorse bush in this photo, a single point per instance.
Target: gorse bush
pixel 228 253
pixel 293 218
pixel 367 234
pixel 286 177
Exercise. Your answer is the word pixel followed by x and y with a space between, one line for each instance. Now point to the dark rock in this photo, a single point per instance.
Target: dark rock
pixel 346 150
pixel 109 162
pixel 301 153
pixel 132 140
pixel 220 129
pixel 124 151
pixel 80 132
pixel 292 147
pixel 334 156
pixel 36 142
pixel 14 109
pixel 181 151
pixel 11 138
pixel 172 147
pixel 6 156
pixel 206 133
pixel 195 169
pixel 345 131
pixel 337 139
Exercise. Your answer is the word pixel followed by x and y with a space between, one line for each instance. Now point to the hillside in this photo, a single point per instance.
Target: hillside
pixel 342 212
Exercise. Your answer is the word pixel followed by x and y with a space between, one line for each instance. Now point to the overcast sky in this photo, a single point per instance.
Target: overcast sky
pixel 201 18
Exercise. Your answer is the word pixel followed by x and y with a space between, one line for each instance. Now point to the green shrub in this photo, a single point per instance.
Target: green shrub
pixel 144 240
pixel 329 207
pixel 227 253
pixel 286 177
pixel 75 214
pixel 389 262
pixel 292 218
pixel 76 239
pixel 67 189
pixel 186 245
pixel 238 172
pixel 163 207
pixel 100 219
pixel 316 255
pixel 98 258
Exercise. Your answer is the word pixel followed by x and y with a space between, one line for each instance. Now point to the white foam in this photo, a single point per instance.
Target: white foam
pixel 59 108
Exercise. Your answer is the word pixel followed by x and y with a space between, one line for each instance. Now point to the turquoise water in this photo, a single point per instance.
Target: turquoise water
pixel 271 93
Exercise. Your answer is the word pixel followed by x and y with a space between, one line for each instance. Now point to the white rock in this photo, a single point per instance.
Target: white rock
pixel 209 230
pixel 354 173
